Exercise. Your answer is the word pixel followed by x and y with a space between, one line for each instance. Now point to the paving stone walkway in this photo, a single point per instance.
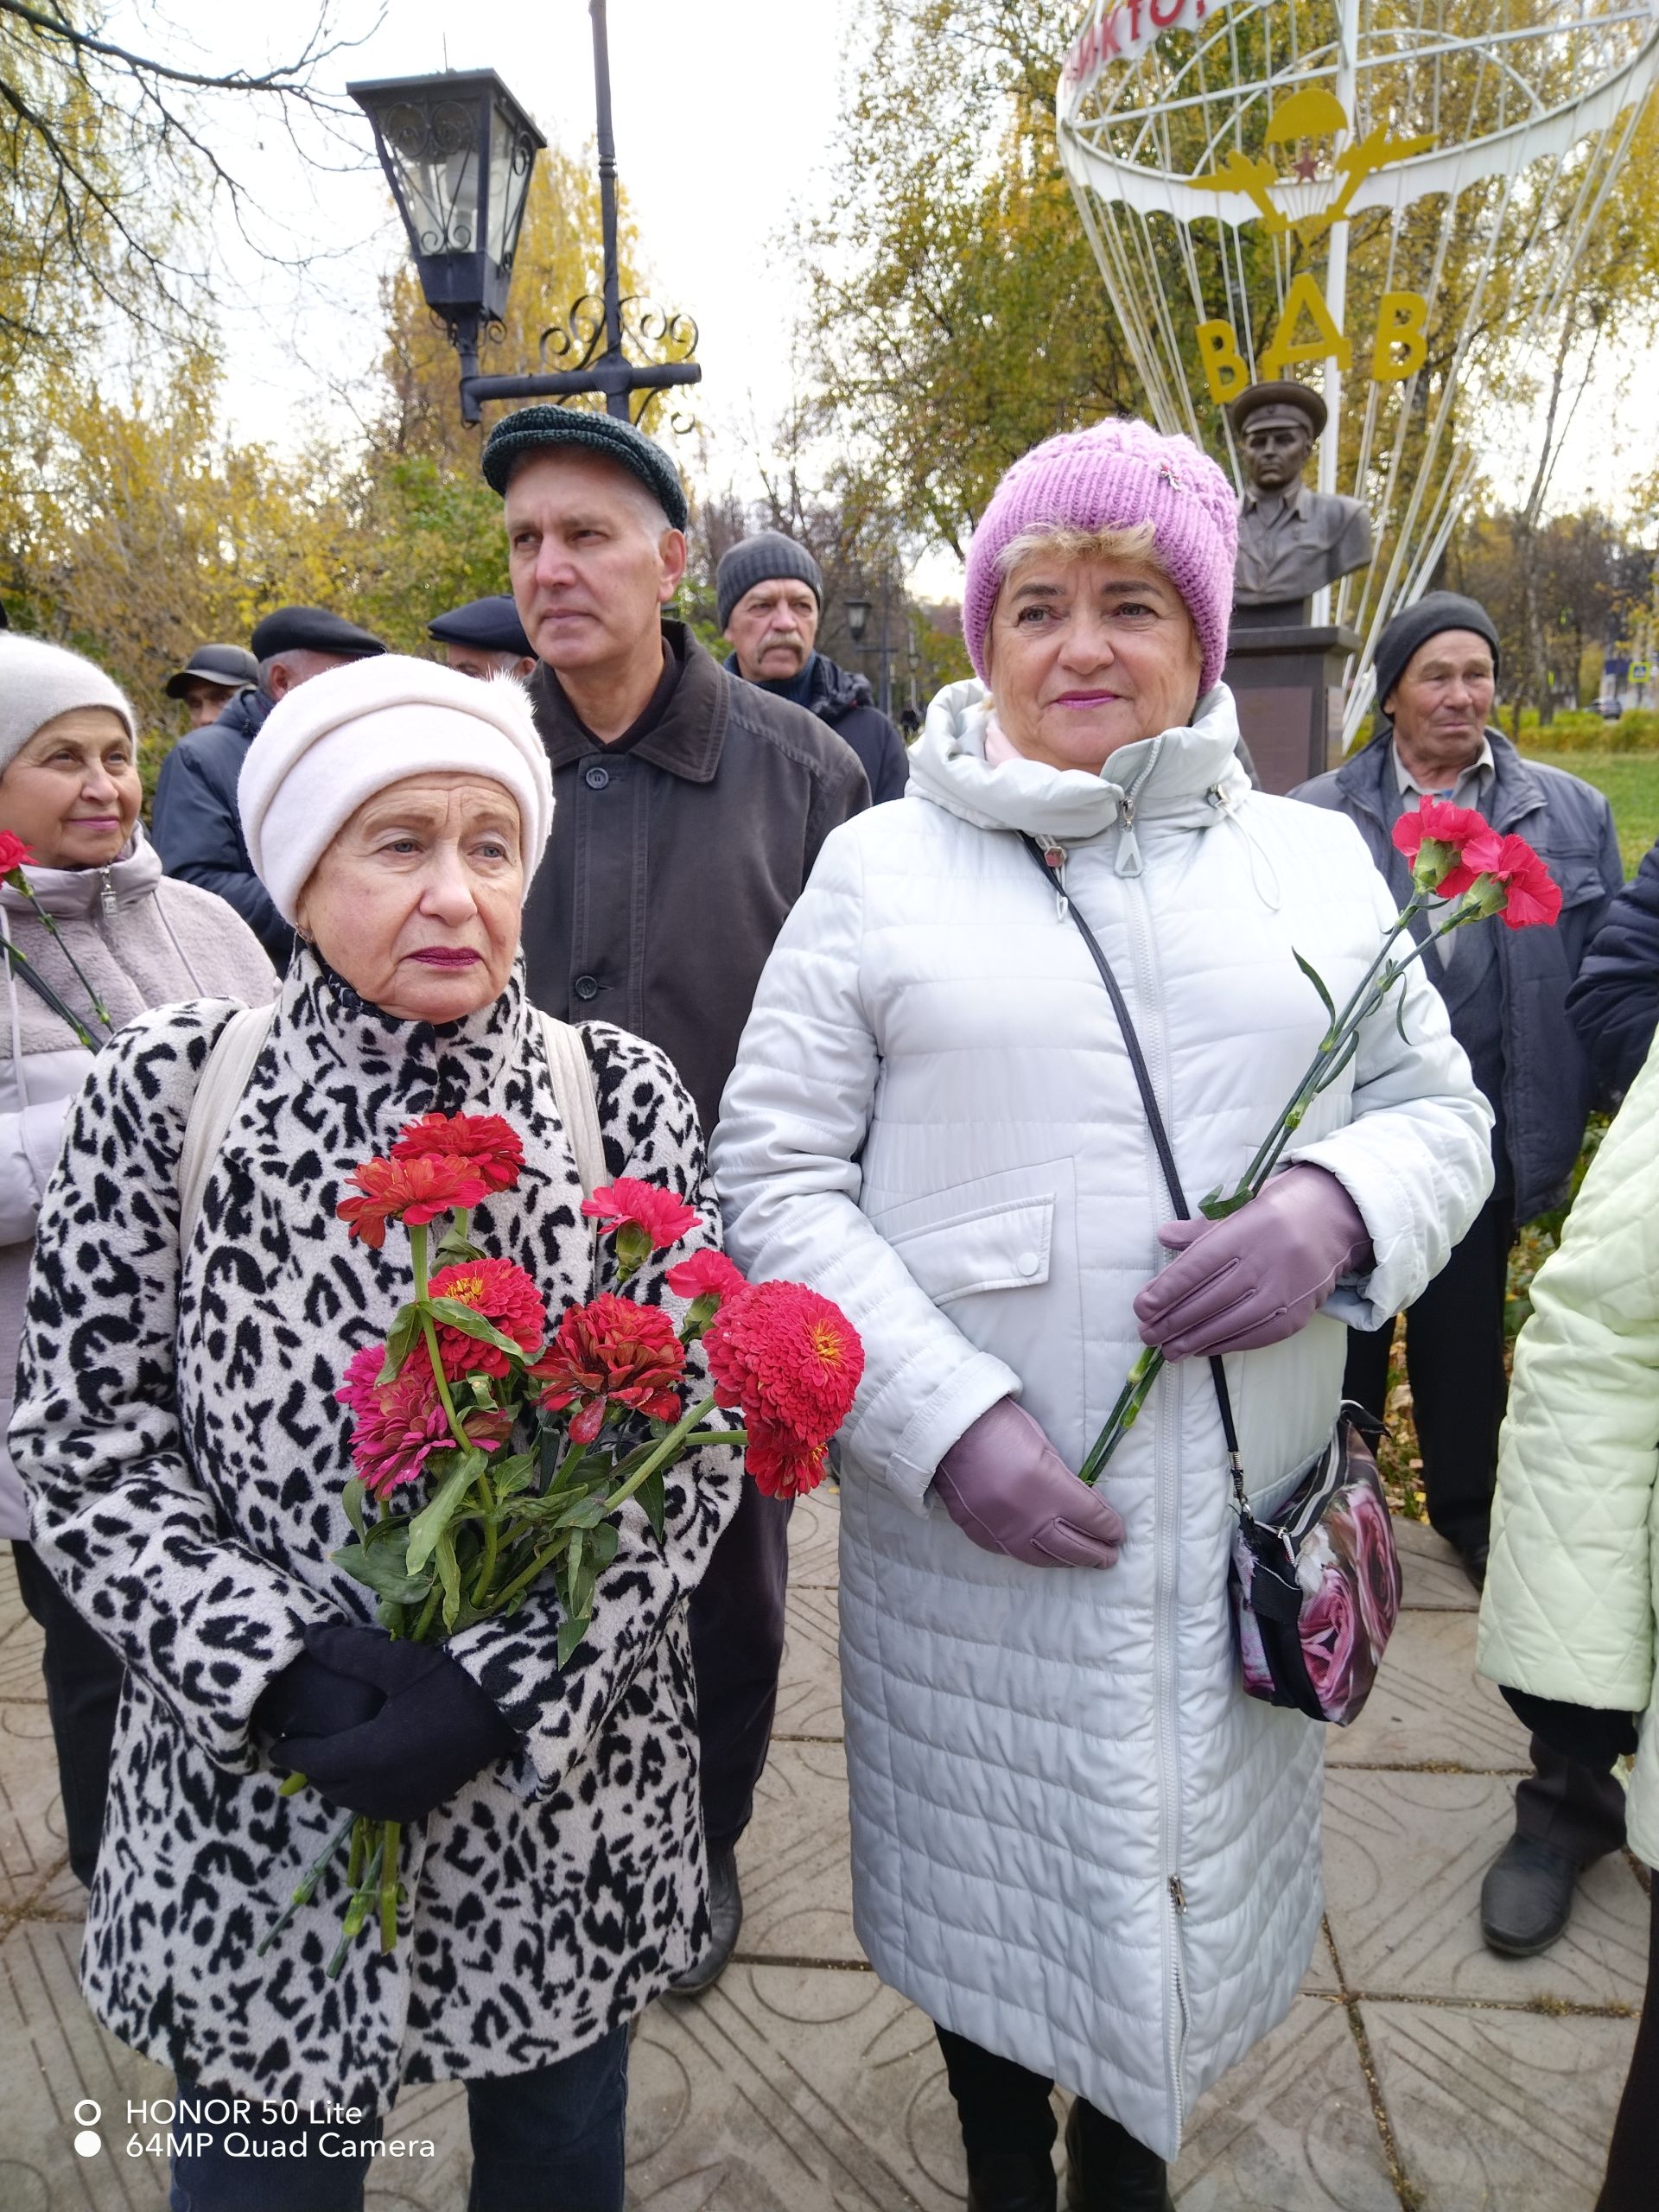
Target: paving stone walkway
pixel 1415 2070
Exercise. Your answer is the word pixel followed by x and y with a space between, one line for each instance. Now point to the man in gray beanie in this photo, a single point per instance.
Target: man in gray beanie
pixel 1506 992
pixel 688 809
pixel 769 596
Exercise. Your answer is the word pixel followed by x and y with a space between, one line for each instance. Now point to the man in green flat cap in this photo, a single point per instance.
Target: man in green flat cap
pixel 689 808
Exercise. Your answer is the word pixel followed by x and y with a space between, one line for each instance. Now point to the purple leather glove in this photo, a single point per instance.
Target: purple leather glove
pixel 1258 1276
pixel 1007 1488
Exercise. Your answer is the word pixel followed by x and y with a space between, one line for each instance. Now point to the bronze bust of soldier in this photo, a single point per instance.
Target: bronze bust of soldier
pixel 1292 542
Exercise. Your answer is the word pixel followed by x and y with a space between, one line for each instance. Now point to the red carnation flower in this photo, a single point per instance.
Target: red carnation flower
pixel 787 1357
pixel 14 853
pixel 506 1297
pixel 1448 846
pixel 609 1351
pixel 399 1427
pixel 413 1191
pixel 782 1464
pixel 1531 892
pixel 643 1217
pixel 663 1218
pixel 706 1274
pixel 492 1146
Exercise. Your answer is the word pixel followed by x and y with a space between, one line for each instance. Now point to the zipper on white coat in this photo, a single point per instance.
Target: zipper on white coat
pixel 1166 1557
pixel 106 896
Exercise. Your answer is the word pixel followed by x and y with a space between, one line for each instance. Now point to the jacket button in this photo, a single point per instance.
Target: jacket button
pixel 587 987
pixel 596 778
pixel 1028 1263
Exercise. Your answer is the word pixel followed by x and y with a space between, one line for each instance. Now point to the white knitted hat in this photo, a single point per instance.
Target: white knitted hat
pixel 336 740
pixel 39 682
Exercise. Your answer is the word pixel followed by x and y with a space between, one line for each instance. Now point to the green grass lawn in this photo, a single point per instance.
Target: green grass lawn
pixel 1631 782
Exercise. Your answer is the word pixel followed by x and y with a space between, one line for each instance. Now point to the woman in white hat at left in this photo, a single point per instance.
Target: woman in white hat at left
pixel 69 789
pixel 177 1430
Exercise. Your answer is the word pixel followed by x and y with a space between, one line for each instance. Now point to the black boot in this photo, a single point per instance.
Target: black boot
pixel 1010 2182
pixel 726 1917
pixel 1107 2171
pixel 1526 1900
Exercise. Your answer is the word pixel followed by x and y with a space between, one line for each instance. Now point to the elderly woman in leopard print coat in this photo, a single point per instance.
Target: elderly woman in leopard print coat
pixel 177 1430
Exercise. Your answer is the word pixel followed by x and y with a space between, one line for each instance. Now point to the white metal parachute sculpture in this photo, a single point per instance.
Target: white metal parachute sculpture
pixel 1392 193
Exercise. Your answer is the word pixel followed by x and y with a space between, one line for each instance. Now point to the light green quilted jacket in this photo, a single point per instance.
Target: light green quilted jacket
pixel 1571 1597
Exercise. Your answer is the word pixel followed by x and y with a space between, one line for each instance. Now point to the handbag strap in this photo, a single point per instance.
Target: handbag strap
pixel 1155 1123
pixel 573 1094
pixel 224 1076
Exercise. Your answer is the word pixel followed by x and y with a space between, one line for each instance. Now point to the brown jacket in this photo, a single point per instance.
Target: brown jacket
pixel 674 863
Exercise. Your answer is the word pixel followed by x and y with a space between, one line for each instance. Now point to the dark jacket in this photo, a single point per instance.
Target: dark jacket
pixel 1614 1005
pixel 845 701
pixel 673 864
pixel 1544 1094
pixel 194 825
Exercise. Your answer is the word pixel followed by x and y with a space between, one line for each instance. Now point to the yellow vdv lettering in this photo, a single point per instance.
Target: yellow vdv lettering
pixel 1224 365
pixel 1287 350
pixel 1401 337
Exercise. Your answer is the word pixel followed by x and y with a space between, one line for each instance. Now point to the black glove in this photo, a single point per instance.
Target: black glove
pixel 308 1699
pixel 434 1730
pixel 1585 1733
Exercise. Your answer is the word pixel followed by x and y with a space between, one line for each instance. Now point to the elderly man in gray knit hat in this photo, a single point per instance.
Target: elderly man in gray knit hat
pixel 1506 992
pixel 769 596
pixel 689 808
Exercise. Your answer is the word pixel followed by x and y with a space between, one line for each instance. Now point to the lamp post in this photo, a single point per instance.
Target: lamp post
pixel 459 152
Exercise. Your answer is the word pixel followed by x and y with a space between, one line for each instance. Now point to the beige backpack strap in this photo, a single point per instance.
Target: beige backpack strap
pixel 573 1093
pixel 218 1093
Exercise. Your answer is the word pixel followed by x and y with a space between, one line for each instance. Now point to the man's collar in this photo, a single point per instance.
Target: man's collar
pixel 688 740
pixel 1483 768
pixel 1293 500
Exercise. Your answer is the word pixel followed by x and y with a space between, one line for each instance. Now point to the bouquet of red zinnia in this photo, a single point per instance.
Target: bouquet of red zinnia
pixel 490 1458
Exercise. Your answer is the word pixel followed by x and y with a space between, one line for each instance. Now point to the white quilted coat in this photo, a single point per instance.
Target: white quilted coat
pixel 1573 1586
pixel 1074 1839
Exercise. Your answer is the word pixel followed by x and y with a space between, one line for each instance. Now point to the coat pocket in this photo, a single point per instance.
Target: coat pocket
pixel 990 1247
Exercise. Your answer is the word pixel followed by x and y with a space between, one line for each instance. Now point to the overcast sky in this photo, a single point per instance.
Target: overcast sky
pixel 726 116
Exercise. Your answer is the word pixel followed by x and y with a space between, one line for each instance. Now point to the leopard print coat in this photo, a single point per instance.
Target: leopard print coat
pixel 177 1430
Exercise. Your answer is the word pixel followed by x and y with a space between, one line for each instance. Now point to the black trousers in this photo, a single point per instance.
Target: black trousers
pixel 83 1689
pixel 1454 1357
pixel 1005 2113
pixel 737 1647
pixel 1633 2160
pixel 1571 1808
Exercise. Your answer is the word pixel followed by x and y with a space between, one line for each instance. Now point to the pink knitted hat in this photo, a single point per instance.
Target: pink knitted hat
pixel 1112 476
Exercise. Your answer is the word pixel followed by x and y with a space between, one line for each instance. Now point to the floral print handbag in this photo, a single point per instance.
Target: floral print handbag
pixel 1316 1591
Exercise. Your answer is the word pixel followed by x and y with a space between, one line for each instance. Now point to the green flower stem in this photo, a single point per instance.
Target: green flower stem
pixel 492 1542
pixel 390 1839
pixel 428 1612
pixel 417 1243
pixel 307 1888
pixel 360 1856
pixel 357 1910
pixel 667 1447
pixel 23 966
pixel 1130 1399
pixel 57 936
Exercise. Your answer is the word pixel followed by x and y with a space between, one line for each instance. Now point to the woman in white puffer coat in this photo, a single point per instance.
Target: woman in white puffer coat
pixel 1076 1844
pixel 69 789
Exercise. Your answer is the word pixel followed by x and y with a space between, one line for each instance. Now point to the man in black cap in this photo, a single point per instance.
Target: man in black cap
pixel 769 595
pixel 1506 993
pixel 194 825
pixel 689 808
pixel 484 639
pixel 210 679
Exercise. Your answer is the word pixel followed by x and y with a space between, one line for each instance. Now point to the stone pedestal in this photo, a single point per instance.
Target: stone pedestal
pixel 1287 680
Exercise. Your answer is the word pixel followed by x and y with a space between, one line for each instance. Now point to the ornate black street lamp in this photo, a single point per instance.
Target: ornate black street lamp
pixel 857 612
pixel 458 152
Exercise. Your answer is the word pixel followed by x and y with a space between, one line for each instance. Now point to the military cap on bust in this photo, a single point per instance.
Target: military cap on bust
pixel 490 626
pixel 1282 396
pixel 232 667
pixel 311 630
pixel 533 430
